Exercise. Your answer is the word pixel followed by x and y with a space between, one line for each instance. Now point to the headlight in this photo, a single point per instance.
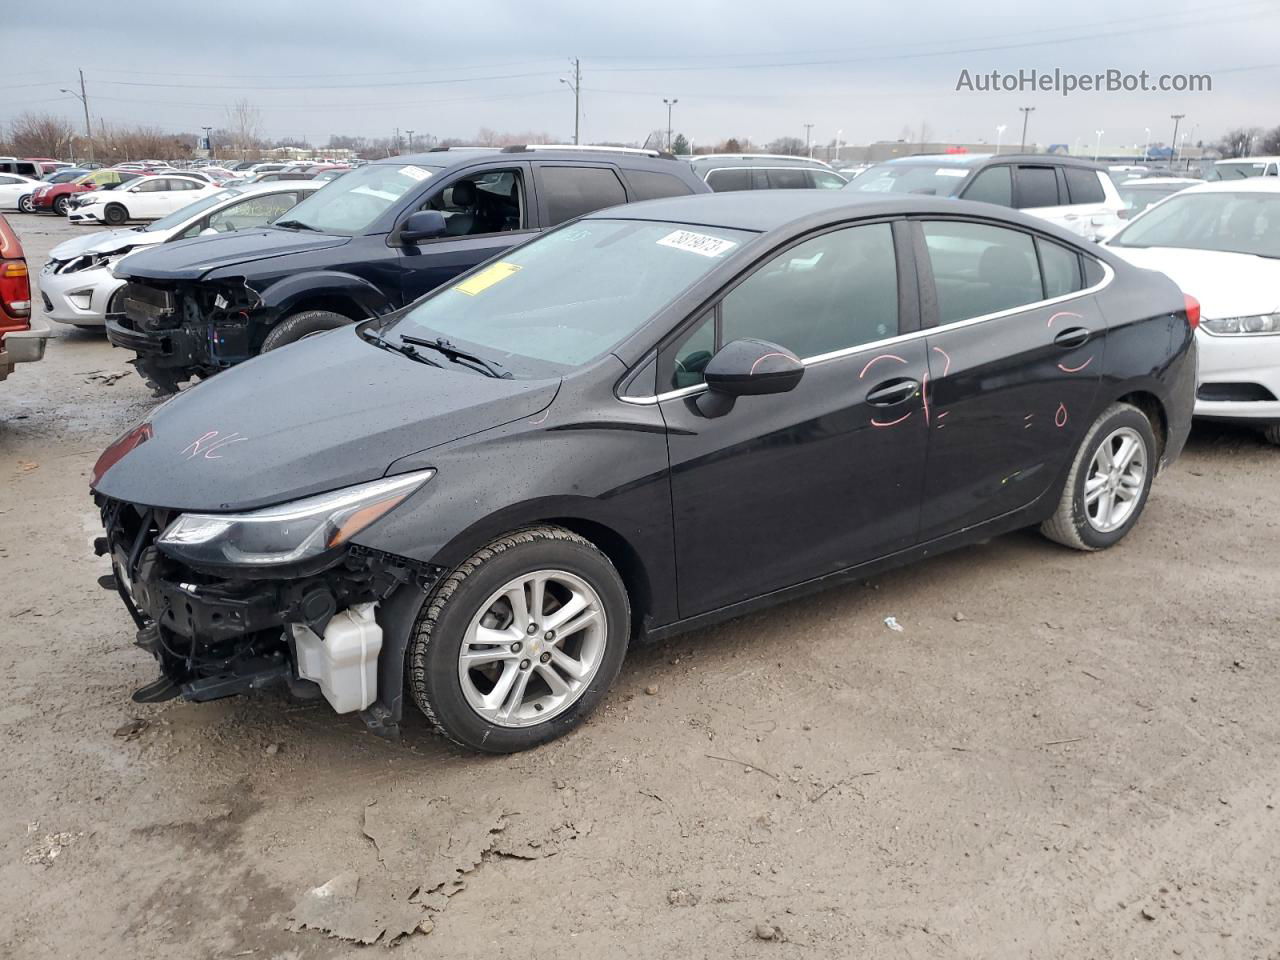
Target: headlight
pixel 86 200
pixel 1242 326
pixel 289 532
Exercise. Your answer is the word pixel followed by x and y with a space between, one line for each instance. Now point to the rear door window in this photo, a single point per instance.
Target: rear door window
pixel 570 192
pixel 1037 187
pixel 980 269
pixel 1083 186
pixel 789 179
pixel 647 185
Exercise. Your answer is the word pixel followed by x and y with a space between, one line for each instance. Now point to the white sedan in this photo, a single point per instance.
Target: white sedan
pixel 145 198
pixel 13 188
pixel 1220 242
pixel 77 285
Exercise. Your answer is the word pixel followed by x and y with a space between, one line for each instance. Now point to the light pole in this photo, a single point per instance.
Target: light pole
pixel 1000 135
pixel 1097 147
pixel 1026 115
pixel 1177 119
pixel 83 98
pixel 670 103
pixel 1146 145
pixel 208 141
pixel 839 133
pixel 808 147
pixel 576 86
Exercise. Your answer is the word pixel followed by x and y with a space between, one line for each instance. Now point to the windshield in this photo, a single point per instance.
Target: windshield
pixel 355 201
pixel 1228 222
pixel 933 179
pixel 1137 198
pixel 1239 171
pixel 570 295
pixel 179 217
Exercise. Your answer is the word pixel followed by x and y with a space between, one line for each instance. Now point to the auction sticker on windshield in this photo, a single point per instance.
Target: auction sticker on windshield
pixel 486 278
pixel 699 243
pixel 417 173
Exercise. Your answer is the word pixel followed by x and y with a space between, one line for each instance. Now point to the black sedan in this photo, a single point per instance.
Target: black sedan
pixel 650 419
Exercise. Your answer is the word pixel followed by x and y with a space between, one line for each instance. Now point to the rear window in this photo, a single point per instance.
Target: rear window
pixel 572 191
pixel 934 179
pixel 646 185
pixel 1083 186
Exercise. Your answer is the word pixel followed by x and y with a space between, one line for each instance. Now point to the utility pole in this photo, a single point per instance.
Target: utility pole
pixel 576 86
pixel 670 103
pixel 397 144
pixel 1173 144
pixel 1026 115
pixel 808 147
pixel 208 141
pixel 83 98
pixel 410 133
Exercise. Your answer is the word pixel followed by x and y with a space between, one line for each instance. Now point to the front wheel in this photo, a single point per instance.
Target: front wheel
pixel 25 205
pixel 115 214
pixel 1109 481
pixel 520 642
pixel 1272 433
pixel 302 325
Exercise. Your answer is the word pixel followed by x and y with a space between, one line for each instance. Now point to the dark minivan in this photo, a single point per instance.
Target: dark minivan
pixel 650 419
pixel 375 239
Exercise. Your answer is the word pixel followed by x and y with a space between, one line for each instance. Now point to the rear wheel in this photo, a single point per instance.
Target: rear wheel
pixel 1272 433
pixel 302 325
pixel 25 205
pixel 60 205
pixel 115 214
pixel 520 642
pixel 1109 481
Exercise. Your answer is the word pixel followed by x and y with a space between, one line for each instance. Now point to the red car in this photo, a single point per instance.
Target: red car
pixel 19 343
pixel 54 197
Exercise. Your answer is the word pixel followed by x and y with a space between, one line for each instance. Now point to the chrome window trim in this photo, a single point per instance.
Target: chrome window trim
pixel 1108 274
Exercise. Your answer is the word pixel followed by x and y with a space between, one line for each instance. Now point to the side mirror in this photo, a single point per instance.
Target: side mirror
pixel 1125 214
pixel 747 368
pixel 422 225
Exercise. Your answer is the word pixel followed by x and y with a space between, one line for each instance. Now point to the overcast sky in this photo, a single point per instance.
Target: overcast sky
pixel 746 68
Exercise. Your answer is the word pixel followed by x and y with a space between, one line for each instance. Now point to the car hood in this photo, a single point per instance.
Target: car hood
pixel 192 259
pixel 107 241
pixel 1226 284
pixel 324 413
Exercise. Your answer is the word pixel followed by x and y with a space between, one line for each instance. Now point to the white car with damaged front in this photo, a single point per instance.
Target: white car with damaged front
pixel 1220 242
pixel 77 283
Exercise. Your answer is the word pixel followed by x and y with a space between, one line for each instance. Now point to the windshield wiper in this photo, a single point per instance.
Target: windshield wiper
pixel 402 349
pixel 298 224
pixel 489 367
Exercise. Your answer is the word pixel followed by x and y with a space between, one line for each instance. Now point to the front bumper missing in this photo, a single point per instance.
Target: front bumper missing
pixel 215 637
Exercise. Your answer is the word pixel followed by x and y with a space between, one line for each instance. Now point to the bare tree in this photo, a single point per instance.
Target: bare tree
pixel 791 146
pixel 244 123
pixel 1239 142
pixel 1270 142
pixel 40 135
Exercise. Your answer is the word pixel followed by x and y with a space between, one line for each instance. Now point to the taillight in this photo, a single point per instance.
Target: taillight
pixel 15 288
pixel 1193 310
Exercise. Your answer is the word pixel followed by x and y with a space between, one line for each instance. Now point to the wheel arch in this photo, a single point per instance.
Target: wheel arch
pixel 336 292
pixel 1153 409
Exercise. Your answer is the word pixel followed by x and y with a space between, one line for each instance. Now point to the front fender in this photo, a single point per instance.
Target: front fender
pixel 285 294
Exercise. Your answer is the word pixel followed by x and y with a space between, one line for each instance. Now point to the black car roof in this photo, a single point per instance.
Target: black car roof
pixel 762 210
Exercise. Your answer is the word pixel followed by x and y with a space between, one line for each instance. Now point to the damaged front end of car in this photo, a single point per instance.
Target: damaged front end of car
pixel 228 603
pixel 182 330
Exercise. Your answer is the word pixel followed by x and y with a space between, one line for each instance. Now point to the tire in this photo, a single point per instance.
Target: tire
pixel 1272 433
pixel 25 205
pixel 60 205
pixel 115 214
pixel 1079 524
pixel 471 594
pixel 305 324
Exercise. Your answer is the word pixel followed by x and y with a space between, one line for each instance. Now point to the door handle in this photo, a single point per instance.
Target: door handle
pixel 1072 337
pixel 892 392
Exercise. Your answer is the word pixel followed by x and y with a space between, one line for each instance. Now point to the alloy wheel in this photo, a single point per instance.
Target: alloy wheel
pixel 1117 477
pixel 533 648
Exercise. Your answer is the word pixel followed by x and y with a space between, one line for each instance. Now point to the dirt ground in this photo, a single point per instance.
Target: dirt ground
pixel 1061 755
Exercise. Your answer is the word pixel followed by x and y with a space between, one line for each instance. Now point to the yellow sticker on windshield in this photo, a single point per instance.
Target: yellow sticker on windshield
pixel 486 278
